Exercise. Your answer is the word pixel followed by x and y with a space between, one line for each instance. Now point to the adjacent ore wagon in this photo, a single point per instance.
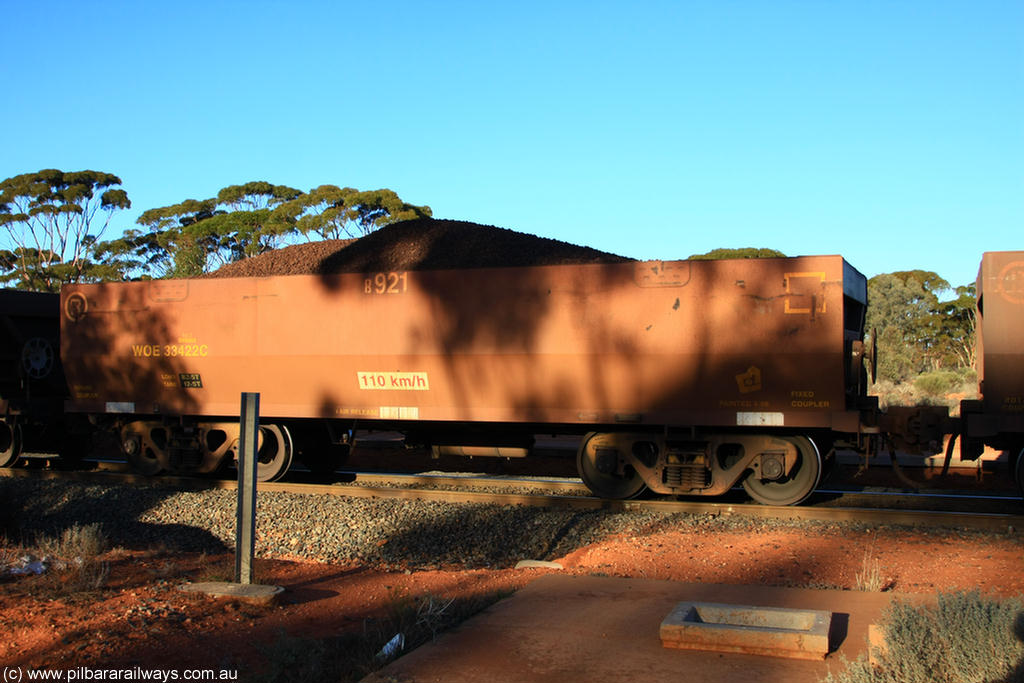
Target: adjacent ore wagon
pixel 32 389
pixel 997 419
pixel 685 376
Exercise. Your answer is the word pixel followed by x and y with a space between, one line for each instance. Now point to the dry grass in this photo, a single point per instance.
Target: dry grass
pixel 219 569
pixel 68 564
pixel 869 578
pixel 75 541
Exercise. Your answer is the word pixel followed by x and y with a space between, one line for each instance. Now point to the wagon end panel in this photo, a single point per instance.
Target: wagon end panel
pixel 1000 328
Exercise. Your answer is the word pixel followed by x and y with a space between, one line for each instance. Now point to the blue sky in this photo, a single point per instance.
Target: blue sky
pixel 891 133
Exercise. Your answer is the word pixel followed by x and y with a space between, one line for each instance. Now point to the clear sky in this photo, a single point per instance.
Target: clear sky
pixel 889 132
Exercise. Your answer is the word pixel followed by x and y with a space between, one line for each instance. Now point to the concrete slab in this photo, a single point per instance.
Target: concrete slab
pixel 748 629
pixel 252 593
pixel 601 629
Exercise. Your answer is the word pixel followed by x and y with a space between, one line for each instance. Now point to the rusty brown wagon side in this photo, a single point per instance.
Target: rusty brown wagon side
pixel 997 418
pixel 686 376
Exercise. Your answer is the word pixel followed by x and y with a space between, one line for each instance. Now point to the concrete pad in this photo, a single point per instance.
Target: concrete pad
pixel 601 629
pixel 537 564
pixel 765 631
pixel 252 593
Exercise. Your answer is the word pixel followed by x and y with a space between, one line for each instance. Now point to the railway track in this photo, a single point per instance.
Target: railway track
pixel 1003 514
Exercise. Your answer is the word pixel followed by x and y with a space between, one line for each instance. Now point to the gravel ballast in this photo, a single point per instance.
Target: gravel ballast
pixel 371 532
pixel 379 533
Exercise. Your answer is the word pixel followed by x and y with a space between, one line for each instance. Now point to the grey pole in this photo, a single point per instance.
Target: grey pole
pixel 245 529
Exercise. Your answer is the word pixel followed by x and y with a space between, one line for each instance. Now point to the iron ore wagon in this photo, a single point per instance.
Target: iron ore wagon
pixel 683 377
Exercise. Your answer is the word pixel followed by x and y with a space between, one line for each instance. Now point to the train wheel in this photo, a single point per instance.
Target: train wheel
pixel 10 444
pixel 275 453
pixel 145 447
pixel 604 474
pixel 797 485
pixel 147 462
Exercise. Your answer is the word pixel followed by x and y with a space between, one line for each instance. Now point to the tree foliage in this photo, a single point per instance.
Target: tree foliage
pixel 956 329
pixel 916 330
pixel 50 222
pixel 743 252
pixel 332 212
pixel 193 236
pixel 196 236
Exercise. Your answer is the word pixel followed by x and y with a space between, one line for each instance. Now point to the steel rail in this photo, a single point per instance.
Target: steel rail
pixel 468 480
pixel 982 521
pixel 570 484
pixel 478 480
pixel 574 484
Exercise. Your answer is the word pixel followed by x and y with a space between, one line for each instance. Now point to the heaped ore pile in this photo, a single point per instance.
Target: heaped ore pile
pixel 421 244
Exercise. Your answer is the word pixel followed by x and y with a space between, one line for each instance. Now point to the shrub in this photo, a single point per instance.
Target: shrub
pixel 941 387
pixel 938 382
pixel 72 561
pixel 85 542
pixel 963 638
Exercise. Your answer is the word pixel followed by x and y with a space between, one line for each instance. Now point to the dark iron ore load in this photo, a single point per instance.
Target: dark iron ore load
pixel 421 244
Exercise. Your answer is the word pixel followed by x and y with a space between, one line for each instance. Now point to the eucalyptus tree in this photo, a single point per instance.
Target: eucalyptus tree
pixel 332 212
pixel 197 236
pixel 917 330
pixel 50 222
pixel 246 225
pixel 742 252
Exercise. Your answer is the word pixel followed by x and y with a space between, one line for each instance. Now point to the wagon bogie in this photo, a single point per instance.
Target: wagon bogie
pixel 202 447
pixel 774 469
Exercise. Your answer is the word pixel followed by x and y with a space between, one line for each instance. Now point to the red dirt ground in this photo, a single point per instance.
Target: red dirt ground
pixel 140 618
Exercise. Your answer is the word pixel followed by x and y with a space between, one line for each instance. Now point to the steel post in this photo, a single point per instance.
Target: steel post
pixel 245 528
